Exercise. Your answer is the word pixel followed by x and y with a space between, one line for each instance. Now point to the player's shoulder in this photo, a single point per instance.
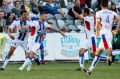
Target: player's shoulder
pixel 88 17
pixel 35 22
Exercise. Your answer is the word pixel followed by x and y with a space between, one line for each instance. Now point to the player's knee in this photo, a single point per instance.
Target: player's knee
pixel 31 55
pixel 93 55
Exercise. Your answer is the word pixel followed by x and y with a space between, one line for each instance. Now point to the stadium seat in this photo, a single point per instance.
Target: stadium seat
pixel 58 17
pixel 54 23
pixel 61 23
pixel 82 28
pixel 69 22
pixel 50 16
pixel 77 22
pixel 68 17
pixel 65 10
pixel 72 27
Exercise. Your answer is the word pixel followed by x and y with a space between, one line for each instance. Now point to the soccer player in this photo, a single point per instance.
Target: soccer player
pixel 21 37
pixel 90 41
pixel 104 18
pixel 41 26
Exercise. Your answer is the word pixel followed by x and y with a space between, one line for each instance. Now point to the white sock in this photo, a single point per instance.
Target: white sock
pixel 116 52
pixel 5 62
pixel 81 61
pixel 95 61
pixel 27 61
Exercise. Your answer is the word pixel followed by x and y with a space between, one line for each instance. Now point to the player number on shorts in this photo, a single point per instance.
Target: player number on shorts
pixel 107 19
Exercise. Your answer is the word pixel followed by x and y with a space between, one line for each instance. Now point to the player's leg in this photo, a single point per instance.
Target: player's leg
pixel 26 48
pixel 81 59
pixel 42 53
pixel 109 53
pixel 12 49
pixel 94 62
pixel 30 57
pixel 107 41
pixel 27 62
pixel 93 47
pixel 97 58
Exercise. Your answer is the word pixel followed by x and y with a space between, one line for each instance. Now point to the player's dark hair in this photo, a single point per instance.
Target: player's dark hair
pixel 1 11
pixel 86 10
pixel 44 12
pixel 104 3
pixel 23 11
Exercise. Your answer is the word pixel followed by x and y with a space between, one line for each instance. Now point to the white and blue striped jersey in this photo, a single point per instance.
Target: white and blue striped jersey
pixel 40 29
pixel 21 35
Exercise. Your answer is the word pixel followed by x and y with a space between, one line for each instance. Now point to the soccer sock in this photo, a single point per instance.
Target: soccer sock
pixel 81 61
pixel 95 61
pixel 117 52
pixel 6 61
pixel 27 62
pixel 42 57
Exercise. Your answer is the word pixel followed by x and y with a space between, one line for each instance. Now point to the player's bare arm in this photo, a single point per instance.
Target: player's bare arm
pixel 118 27
pixel 97 28
pixel 57 31
pixel 10 35
pixel 77 15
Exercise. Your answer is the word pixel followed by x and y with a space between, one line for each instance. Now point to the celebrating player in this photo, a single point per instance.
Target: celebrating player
pixel 104 18
pixel 90 42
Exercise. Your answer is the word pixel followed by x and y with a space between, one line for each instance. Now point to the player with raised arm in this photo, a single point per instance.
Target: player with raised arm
pixel 90 41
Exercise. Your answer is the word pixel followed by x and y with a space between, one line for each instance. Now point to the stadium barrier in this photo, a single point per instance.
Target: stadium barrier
pixel 56 46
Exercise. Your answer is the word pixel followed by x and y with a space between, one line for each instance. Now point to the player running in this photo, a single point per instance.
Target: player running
pixel 21 38
pixel 90 41
pixel 104 18
pixel 41 26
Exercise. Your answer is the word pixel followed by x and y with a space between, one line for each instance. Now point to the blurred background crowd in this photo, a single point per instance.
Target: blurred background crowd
pixel 59 12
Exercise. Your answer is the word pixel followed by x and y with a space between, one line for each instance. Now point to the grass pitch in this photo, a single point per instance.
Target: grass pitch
pixel 61 71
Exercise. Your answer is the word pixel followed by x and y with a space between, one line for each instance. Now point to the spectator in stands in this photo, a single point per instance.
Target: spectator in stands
pixel 34 7
pixel 5 7
pixel 53 8
pixel 16 10
pixel 10 3
pixel 1 3
pixel 2 22
pixel 88 3
pixel 10 18
pixel 77 7
pixel 40 6
pixel 82 3
pixel 113 7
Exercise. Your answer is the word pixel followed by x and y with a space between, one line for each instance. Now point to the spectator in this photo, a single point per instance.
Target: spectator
pixel 10 3
pixel 113 7
pixel 88 3
pixel 53 8
pixel 82 3
pixel 34 7
pixel 1 3
pixel 10 18
pixel 16 10
pixel 77 8
pixel 40 6
pixel 2 22
pixel 5 7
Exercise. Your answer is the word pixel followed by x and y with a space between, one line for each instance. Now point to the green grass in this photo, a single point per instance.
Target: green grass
pixel 61 71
